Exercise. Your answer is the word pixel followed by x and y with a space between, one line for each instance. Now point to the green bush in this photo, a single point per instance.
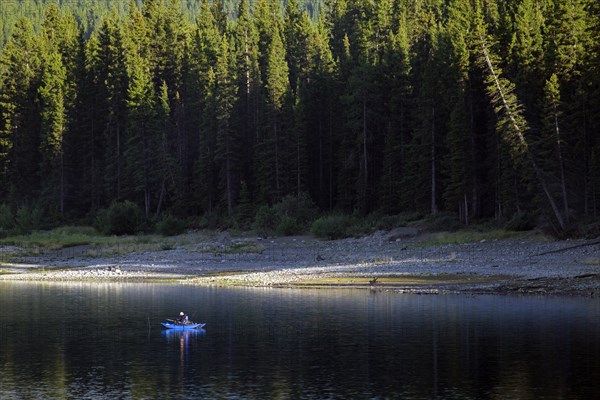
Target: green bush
pixel 444 223
pixel 28 219
pixel 244 212
pixel 7 221
pixel 521 221
pixel 290 216
pixel 300 209
pixel 170 226
pixel 265 221
pixel 287 226
pixel 120 219
pixel 333 227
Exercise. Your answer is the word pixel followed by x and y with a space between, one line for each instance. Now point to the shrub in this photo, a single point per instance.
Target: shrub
pixel 28 219
pixel 300 209
pixel 521 221
pixel 444 223
pixel 333 227
pixel 244 212
pixel 120 219
pixel 7 221
pixel 287 226
pixel 290 216
pixel 170 226
pixel 388 222
pixel 265 221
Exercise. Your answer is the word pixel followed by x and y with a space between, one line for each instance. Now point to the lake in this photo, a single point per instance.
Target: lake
pixel 105 341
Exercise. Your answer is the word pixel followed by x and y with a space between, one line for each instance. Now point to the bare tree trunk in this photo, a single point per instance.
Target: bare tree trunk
pixel 277 172
pixel 146 202
pixel 62 183
pixel 320 185
pixel 434 208
pixel 160 198
pixel 474 180
pixel 466 209
pixel 229 184
pixel 561 164
pixel 298 164
pixel 366 177
pixel 118 162
pixel 330 157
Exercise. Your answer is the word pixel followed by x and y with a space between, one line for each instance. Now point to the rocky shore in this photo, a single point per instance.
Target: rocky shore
pixel 399 260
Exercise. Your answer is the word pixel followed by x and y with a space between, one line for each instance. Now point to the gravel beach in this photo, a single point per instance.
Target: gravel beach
pixel 394 260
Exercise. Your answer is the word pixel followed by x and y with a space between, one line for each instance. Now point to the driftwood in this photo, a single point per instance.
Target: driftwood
pixel 567 248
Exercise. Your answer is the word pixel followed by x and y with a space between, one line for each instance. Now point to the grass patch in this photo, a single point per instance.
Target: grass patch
pixel 244 247
pixel 466 236
pixel 591 261
pixel 98 244
pixel 55 239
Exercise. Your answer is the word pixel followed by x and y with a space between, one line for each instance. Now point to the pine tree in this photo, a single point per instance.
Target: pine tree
pixel 528 53
pixel 227 152
pixel 568 41
pixel 319 102
pixel 592 76
pixel 20 67
pixel 53 126
pixel 141 144
pixel 109 71
pixel 273 143
pixel 204 52
pixel 61 75
pixel 247 110
pixel 297 33
pixel 423 165
pixel 462 190
pixel 552 140
pixel 397 71
pixel 511 122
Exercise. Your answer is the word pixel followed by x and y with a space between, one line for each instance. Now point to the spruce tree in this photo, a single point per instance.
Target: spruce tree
pixel 141 144
pixel 396 69
pixel 205 49
pixel 247 110
pixel 108 66
pixel 552 143
pixel 228 150
pixel 53 126
pixel 274 141
pixel 20 68
pixel 319 103
pixel 511 123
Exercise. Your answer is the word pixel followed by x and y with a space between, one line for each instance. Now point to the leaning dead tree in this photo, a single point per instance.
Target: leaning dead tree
pixel 511 121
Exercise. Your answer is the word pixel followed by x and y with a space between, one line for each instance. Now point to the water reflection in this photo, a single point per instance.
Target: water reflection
pixel 105 341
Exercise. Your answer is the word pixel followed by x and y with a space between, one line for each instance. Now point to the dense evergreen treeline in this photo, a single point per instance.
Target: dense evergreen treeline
pixel 483 108
pixel 89 13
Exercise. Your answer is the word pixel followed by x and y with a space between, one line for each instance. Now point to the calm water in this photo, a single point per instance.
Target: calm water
pixel 104 341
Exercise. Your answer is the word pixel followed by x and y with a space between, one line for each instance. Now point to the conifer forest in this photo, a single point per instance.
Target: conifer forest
pixel 480 109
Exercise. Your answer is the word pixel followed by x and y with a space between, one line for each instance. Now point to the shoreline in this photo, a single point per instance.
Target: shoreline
pixel 394 261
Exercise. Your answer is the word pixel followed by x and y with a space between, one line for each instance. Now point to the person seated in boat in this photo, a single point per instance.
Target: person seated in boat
pixel 183 318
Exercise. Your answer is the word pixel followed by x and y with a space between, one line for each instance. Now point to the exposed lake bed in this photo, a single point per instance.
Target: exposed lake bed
pixel 525 264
